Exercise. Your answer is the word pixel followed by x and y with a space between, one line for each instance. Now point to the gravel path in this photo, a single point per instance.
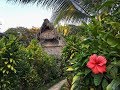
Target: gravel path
pixel 58 85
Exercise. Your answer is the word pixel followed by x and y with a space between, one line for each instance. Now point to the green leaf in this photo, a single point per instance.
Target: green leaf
pixel 12 68
pixel 112 41
pixel 11 60
pixel 118 35
pixel 104 84
pixel 14 62
pixel 8 65
pixel 107 3
pixel 70 69
pixel 114 84
pixel 6 62
pixel 84 23
pixel 3 71
pixel 72 56
pixel 116 63
pixel 97 79
pixel 114 72
pixel 76 77
pixel 118 46
pixel 87 71
pixel 1 68
pixel 76 81
pixel 7 72
pixel 109 67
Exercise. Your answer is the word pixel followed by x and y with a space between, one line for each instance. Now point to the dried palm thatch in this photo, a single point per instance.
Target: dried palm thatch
pixel 49 34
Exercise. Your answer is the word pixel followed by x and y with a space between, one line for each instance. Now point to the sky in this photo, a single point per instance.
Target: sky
pixel 14 15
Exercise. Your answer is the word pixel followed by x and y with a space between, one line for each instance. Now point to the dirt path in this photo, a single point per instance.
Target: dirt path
pixel 58 85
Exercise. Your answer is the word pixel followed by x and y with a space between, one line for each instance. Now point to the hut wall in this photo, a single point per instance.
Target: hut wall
pixel 54 50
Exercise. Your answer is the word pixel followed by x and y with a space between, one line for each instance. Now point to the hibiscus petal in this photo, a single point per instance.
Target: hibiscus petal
pixel 102 60
pixel 101 69
pixel 93 58
pixel 90 65
pixel 95 70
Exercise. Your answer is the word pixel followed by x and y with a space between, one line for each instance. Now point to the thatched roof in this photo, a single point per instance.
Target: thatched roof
pixel 49 34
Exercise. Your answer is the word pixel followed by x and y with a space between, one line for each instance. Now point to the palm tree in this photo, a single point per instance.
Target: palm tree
pixel 70 10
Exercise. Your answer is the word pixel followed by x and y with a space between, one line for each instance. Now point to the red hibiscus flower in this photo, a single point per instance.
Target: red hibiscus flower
pixel 97 64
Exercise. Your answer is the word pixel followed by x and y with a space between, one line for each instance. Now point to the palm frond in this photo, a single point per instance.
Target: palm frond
pixel 63 9
pixel 70 10
pixel 70 14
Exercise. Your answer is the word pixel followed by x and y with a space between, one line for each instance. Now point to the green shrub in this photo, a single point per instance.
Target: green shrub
pixel 25 68
pixel 45 65
pixel 102 38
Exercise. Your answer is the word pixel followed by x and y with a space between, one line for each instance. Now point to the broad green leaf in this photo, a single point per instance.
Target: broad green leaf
pixel 104 84
pixel 76 81
pixel 112 41
pixel 114 72
pixel 97 79
pixel 76 77
pixel 114 84
pixel 109 67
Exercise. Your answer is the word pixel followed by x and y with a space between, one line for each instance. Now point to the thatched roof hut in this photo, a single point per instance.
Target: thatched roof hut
pixel 50 40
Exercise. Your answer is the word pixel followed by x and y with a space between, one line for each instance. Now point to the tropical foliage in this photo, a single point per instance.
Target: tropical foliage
pixel 101 37
pixel 66 30
pixel 25 68
pixel 25 35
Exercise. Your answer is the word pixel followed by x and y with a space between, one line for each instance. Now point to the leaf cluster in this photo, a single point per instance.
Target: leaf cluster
pixel 101 37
